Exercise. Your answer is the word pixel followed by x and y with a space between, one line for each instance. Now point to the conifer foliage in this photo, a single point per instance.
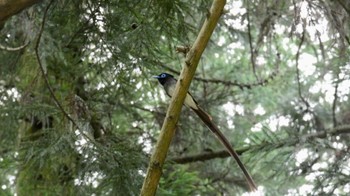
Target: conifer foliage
pixel 80 112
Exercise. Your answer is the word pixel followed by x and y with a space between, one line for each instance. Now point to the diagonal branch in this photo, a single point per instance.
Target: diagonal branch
pixel 36 48
pixel 9 8
pixel 154 170
pixel 58 104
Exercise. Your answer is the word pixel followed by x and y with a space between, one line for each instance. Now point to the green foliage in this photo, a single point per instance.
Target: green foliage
pixel 179 181
pixel 99 57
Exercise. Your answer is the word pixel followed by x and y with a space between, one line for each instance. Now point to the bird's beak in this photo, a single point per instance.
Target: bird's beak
pixel 155 77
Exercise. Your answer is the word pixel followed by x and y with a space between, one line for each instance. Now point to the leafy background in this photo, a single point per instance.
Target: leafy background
pixel 275 78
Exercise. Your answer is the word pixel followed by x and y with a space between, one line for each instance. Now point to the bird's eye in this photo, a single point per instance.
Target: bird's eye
pixel 163 75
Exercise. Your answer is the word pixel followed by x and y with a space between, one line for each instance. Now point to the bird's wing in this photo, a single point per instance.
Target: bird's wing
pixel 189 100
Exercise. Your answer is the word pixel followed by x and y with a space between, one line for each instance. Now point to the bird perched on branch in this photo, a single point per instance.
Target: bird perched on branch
pixel 169 83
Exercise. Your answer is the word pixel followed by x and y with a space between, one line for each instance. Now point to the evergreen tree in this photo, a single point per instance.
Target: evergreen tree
pixel 80 113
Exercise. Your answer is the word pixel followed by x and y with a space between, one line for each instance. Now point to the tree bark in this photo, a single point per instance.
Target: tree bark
pixel 9 8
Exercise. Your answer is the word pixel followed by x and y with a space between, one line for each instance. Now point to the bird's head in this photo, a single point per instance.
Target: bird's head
pixel 163 77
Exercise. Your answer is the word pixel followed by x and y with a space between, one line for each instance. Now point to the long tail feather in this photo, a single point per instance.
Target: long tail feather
pixel 205 117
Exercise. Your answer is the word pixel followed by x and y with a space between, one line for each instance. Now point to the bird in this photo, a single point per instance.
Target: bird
pixel 169 83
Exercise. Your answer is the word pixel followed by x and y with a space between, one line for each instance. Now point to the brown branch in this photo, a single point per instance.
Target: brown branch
pixel 204 156
pixel 182 49
pixel 36 48
pixel 58 104
pixel 345 129
pixel 9 8
pixel 156 163
pixel 242 86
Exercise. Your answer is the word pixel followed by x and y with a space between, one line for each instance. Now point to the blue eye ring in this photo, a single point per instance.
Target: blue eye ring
pixel 163 75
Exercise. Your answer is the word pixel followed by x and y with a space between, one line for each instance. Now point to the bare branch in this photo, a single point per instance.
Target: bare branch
pixel 58 104
pixel 242 86
pixel 9 8
pixel 36 48
pixel 345 129
pixel 183 49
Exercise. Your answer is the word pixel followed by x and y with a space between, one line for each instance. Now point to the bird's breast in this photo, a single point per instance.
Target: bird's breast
pixel 189 101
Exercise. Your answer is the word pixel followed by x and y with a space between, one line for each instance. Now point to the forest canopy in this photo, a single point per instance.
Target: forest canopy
pixel 80 113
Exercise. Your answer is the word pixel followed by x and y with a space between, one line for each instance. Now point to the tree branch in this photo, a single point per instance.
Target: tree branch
pixel 252 51
pixel 154 170
pixel 287 142
pixel 58 104
pixel 302 39
pixel 9 8
pixel 242 86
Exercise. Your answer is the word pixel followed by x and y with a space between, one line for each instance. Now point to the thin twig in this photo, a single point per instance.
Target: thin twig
pixel 242 86
pixel 252 52
pixel 58 104
pixel 84 26
pixel 296 18
pixel 318 34
pixel 334 104
pixel 298 72
pixel 36 48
